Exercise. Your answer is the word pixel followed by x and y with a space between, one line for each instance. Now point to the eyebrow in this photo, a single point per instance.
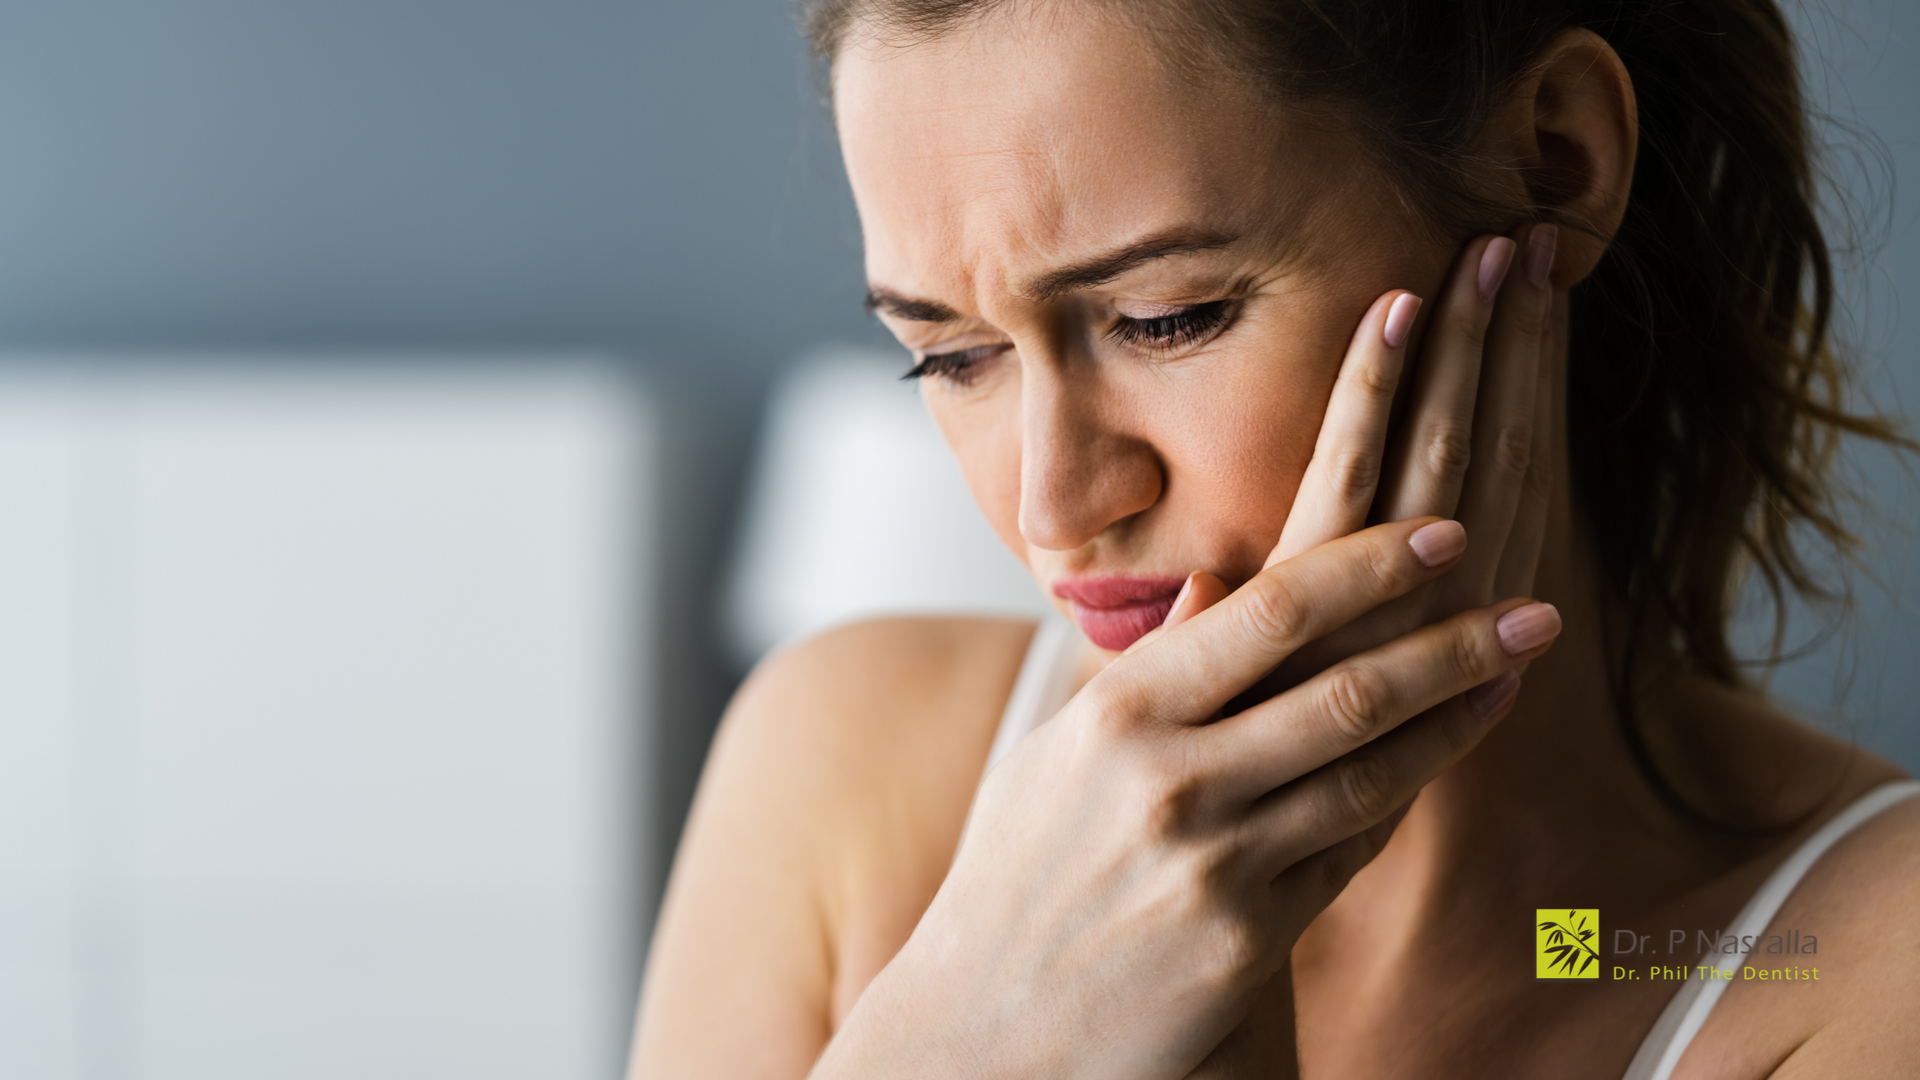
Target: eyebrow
pixel 1057 283
pixel 1104 268
pixel 904 307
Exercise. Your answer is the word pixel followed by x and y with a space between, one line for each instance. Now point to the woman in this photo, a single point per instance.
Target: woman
pixel 1507 320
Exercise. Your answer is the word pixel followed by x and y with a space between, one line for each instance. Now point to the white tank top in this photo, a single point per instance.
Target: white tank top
pixel 1046 678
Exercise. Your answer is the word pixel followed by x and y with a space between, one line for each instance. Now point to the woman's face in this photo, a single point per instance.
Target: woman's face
pixel 1130 286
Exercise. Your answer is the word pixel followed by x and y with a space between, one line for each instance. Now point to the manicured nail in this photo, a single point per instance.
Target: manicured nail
pixel 1178 600
pixel 1400 319
pixel 1540 245
pixel 1440 542
pixel 1494 263
pixel 1526 629
pixel 1487 699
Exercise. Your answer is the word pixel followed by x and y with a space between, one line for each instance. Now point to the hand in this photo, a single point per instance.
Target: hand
pixel 1133 874
pixel 1500 415
pixel 1137 870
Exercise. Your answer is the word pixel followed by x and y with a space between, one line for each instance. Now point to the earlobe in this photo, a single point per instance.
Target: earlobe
pixel 1582 133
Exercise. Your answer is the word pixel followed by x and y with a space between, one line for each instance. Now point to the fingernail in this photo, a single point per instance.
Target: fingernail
pixel 1178 600
pixel 1487 699
pixel 1493 266
pixel 1526 629
pixel 1400 319
pixel 1440 542
pixel 1540 246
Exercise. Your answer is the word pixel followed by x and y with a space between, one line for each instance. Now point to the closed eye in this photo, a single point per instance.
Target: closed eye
pixel 960 367
pixel 1162 333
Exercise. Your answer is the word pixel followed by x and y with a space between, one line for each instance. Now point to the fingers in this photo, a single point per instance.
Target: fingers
pixel 1201 592
pixel 1433 448
pixel 1503 431
pixel 1339 484
pixel 1193 671
pixel 1358 795
pixel 1313 882
pixel 1350 705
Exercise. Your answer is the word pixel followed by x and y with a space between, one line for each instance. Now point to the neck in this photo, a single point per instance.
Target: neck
pixel 1553 808
pixel 1552 802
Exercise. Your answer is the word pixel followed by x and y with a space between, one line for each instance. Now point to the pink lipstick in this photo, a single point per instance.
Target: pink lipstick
pixel 1116 611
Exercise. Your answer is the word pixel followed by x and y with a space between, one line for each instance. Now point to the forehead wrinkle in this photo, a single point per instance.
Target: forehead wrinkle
pixel 1012 216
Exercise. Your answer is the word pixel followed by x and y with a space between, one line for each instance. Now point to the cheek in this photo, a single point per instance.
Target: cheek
pixel 1235 442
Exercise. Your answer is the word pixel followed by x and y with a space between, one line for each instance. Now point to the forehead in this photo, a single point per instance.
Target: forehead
pixel 1023 140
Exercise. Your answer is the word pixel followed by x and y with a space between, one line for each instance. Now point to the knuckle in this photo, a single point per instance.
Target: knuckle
pixel 1354 474
pixel 1275 612
pixel 1539 481
pixel 1374 380
pixel 1170 801
pixel 1236 953
pixel 1116 711
pixel 1385 566
pixel 1449 451
pixel 1513 449
pixel 1353 703
pixel 1368 787
pixel 1465 656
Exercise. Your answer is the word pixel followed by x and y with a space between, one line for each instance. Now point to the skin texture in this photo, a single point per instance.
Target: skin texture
pixel 1141 891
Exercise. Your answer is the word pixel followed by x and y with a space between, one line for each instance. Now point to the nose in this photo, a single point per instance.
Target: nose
pixel 1081 470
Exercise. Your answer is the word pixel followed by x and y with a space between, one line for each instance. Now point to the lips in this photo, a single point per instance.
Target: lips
pixel 1114 611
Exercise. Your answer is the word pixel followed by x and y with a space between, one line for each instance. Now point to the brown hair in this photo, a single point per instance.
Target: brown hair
pixel 1705 400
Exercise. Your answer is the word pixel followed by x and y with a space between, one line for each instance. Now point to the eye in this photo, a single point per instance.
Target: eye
pixel 960 367
pixel 1165 332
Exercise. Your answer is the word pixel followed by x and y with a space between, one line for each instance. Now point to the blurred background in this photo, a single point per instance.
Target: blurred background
pixel 416 416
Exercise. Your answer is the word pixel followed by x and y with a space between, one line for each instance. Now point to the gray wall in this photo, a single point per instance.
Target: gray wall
pixel 651 178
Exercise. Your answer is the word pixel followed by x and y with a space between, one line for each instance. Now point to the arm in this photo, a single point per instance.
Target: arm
pixel 738 975
pixel 826 816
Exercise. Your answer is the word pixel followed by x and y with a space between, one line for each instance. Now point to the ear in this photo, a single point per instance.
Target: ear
pixel 1571 126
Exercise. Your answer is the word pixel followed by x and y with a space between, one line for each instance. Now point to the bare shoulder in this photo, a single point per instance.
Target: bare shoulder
pixel 886 725
pixel 1837 992
pixel 827 813
pixel 858 703
pixel 1864 893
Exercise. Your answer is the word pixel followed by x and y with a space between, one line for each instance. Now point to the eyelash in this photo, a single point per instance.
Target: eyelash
pixel 1183 327
pixel 957 367
pixel 1162 332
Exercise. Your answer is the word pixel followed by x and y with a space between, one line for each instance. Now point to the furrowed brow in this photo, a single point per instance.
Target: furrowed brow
pixel 1057 283
pixel 888 302
pixel 1100 270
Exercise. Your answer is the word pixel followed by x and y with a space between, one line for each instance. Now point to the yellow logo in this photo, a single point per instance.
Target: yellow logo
pixel 1566 943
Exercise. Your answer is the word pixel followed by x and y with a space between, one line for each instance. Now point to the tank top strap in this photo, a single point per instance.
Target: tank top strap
pixel 1687 1012
pixel 1043 686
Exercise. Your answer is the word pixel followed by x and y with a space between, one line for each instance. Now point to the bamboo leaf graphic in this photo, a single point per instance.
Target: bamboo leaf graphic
pixel 1568 945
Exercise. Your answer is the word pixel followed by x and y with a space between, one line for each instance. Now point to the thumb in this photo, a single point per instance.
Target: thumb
pixel 1201 592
